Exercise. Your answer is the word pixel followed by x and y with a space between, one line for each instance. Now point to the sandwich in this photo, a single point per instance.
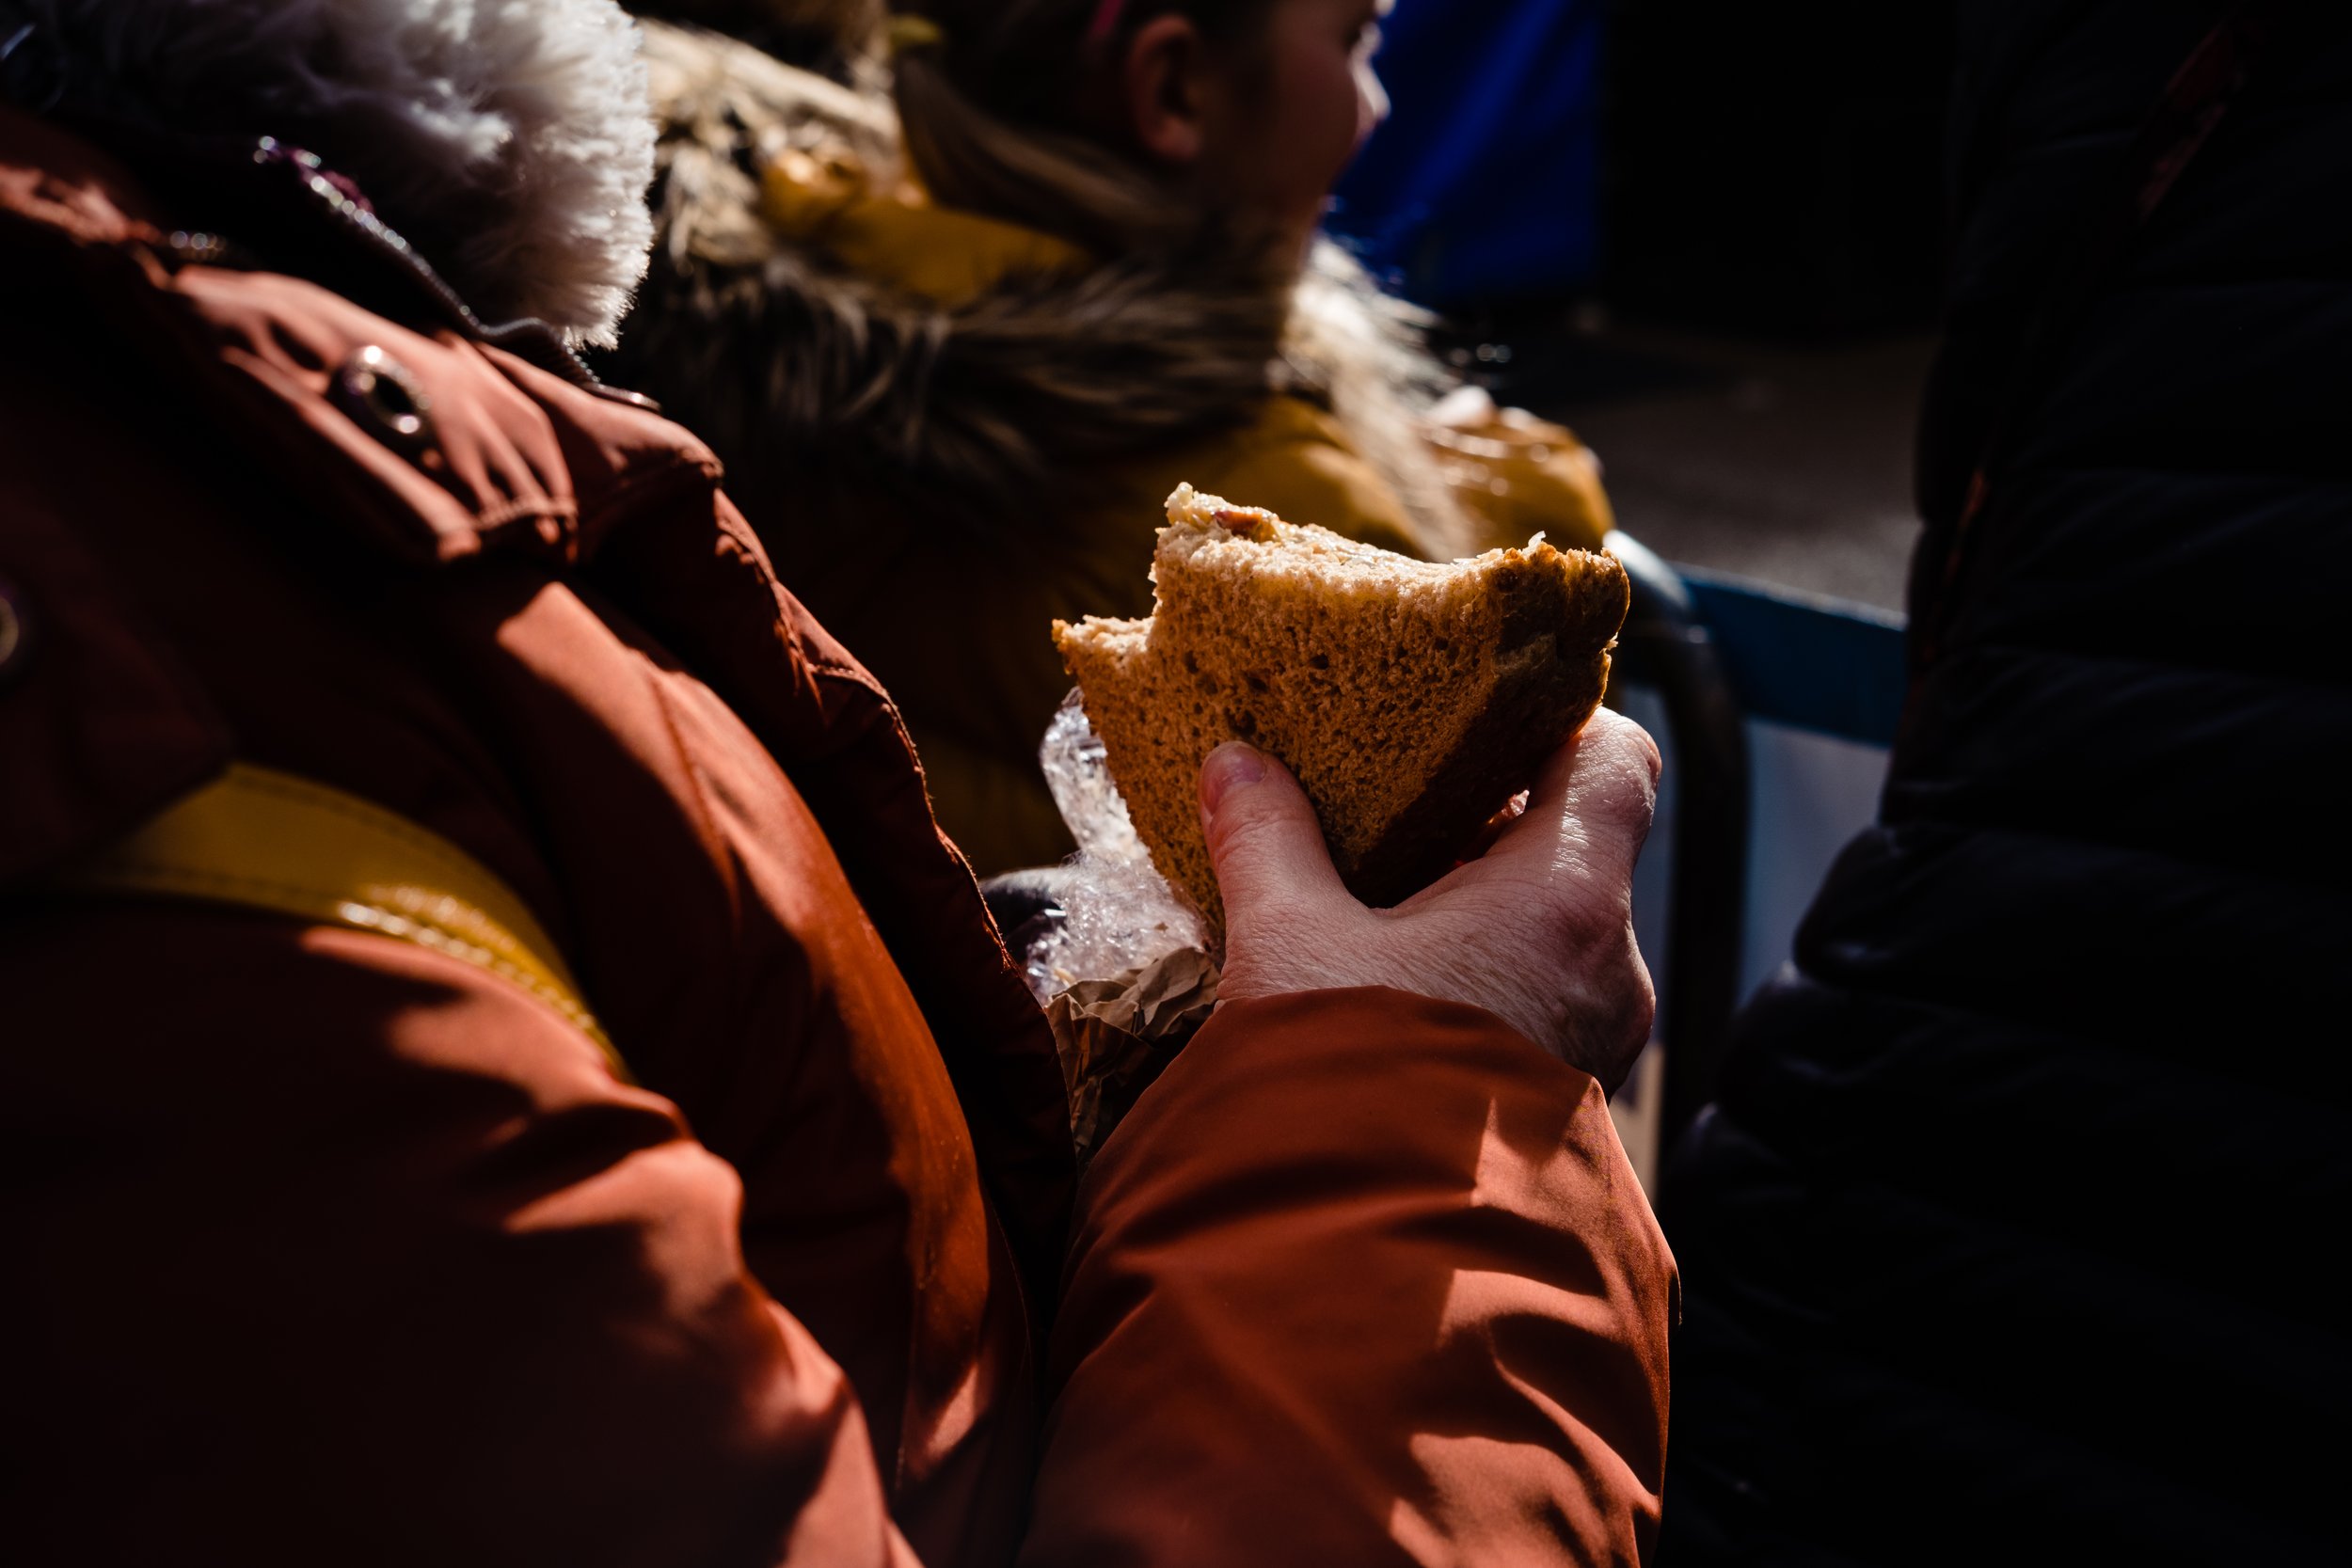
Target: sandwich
pixel 1410 699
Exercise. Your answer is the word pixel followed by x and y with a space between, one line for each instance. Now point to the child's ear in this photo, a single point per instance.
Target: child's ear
pixel 1163 81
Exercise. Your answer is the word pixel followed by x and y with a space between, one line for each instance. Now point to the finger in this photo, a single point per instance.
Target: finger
pixel 1263 839
pixel 1513 809
pixel 1599 791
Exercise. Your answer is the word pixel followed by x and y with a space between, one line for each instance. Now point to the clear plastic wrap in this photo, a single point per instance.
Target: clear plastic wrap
pixel 1120 915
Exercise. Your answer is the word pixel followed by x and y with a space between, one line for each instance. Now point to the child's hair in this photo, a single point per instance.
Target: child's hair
pixel 993 96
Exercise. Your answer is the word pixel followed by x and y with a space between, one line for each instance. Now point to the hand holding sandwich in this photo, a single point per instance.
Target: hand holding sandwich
pixel 1537 930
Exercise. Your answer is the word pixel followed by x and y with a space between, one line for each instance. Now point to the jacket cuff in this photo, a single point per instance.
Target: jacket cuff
pixel 1364 1278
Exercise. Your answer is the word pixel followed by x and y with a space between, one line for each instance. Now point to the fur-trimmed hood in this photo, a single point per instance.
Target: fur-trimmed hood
pixel 797 301
pixel 506 139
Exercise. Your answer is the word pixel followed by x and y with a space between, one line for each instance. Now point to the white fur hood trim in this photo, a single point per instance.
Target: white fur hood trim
pixel 508 141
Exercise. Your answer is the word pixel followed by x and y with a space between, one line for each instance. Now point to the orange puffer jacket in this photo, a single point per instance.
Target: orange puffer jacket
pixel 329 1246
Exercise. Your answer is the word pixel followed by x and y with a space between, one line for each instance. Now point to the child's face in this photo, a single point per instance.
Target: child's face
pixel 1278 130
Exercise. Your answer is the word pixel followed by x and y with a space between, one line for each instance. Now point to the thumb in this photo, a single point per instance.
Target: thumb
pixel 1263 838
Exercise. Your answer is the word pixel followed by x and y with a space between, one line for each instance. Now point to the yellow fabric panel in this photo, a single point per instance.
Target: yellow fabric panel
pixel 262 840
pixel 941 254
pixel 1519 476
pixel 1296 462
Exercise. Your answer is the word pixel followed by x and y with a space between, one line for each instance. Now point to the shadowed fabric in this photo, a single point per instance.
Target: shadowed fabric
pixel 2001 1238
pixel 1486 1259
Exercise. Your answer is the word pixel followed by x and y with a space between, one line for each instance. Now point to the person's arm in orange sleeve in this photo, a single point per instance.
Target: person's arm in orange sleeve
pixel 1365 1278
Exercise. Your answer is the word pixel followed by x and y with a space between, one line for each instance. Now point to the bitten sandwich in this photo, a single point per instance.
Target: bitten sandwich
pixel 1412 700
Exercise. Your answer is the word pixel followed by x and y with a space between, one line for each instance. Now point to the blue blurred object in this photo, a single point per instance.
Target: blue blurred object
pixel 1486 182
pixel 1814 663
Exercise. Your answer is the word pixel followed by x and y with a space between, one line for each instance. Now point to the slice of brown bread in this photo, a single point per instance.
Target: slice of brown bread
pixel 1412 699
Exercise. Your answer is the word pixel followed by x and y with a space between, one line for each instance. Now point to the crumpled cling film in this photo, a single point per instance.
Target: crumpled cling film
pixel 1122 916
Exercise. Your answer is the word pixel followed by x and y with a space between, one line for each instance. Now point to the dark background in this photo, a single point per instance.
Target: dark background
pixel 1708 236
pixel 1776 167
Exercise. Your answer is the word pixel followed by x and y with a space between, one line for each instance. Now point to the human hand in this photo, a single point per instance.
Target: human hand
pixel 1538 929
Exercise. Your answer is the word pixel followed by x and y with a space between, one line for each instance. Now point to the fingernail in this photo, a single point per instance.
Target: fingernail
pixel 1228 768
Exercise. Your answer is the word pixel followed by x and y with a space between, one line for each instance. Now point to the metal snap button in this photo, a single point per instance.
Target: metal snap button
pixel 16 632
pixel 380 393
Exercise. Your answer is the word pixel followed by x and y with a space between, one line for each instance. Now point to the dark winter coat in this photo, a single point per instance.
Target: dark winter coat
pixel 2012 1234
